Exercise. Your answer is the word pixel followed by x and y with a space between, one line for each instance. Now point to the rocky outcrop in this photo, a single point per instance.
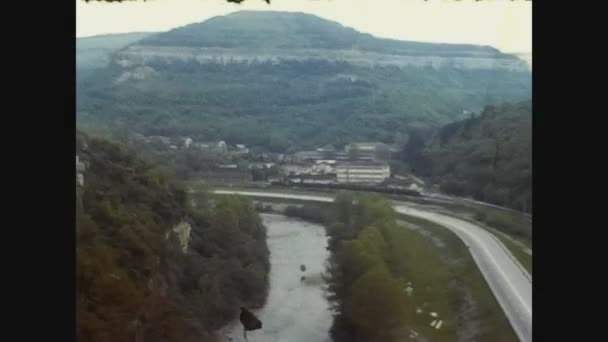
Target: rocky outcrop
pixel 138 55
pixel 182 232
pixel 137 73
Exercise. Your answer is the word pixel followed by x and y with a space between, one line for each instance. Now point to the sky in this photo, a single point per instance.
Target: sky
pixel 503 24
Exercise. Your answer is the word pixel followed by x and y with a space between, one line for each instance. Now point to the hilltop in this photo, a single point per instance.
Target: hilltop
pixel 276 81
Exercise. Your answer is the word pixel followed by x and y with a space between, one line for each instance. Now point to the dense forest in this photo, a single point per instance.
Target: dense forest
pixel 288 104
pixel 154 263
pixel 94 53
pixel 285 30
pixel 487 157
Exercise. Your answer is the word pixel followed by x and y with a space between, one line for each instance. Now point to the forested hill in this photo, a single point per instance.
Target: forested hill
pixel 291 80
pixel 488 156
pixel 94 52
pixel 292 30
pixel 152 264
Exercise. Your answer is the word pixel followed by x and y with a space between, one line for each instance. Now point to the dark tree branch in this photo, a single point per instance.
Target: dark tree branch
pixel 233 1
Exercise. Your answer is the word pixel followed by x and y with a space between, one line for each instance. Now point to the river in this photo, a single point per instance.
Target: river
pixel 296 310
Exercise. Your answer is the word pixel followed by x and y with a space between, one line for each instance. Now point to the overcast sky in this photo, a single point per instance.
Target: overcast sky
pixel 504 24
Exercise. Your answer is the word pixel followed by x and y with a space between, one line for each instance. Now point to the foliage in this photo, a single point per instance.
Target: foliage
pixel 290 104
pixel 233 1
pixel 132 276
pixel 364 270
pixel 94 52
pixel 510 223
pixel 271 29
pixel 487 157
pixel 378 317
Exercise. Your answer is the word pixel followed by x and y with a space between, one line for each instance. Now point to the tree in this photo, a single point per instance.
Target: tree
pixel 127 254
pixel 378 307
pixel 487 158
pixel 413 151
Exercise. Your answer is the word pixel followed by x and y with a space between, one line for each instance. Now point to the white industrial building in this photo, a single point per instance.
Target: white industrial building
pixel 362 173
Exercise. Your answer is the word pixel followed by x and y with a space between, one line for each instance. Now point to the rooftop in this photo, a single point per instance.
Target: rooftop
pixel 370 165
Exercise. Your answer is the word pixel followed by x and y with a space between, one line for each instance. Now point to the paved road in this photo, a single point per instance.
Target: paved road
pixel 454 199
pixel 507 279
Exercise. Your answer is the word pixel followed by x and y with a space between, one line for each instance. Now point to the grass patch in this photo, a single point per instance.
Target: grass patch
pixel 515 225
pixel 517 250
pixel 419 263
pixel 465 279
pixel 524 258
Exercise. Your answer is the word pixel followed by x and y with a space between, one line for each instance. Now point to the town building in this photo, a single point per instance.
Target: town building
pixel 222 147
pixel 296 169
pixel 365 150
pixel 324 167
pixel 240 149
pixel 368 173
pixel 187 142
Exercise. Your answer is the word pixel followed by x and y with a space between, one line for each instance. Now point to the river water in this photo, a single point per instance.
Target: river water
pixel 296 310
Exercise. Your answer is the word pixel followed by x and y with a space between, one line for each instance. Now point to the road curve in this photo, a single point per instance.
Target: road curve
pixel 454 199
pixel 511 286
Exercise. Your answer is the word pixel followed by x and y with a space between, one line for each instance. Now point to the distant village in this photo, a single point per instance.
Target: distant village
pixel 362 163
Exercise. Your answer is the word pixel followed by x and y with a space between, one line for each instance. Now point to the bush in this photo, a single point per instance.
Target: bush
pixel 130 266
pixel 363 284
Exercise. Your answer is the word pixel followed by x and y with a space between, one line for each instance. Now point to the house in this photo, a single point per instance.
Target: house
pixel 326 161
pixel 212 146
pixel 367 173
pixel 222 147
pixel 312 179
pixel 240 149
pixel 415 187
pixel 323 167
pixel 296 169
pixel 187 142
pixel 202 146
